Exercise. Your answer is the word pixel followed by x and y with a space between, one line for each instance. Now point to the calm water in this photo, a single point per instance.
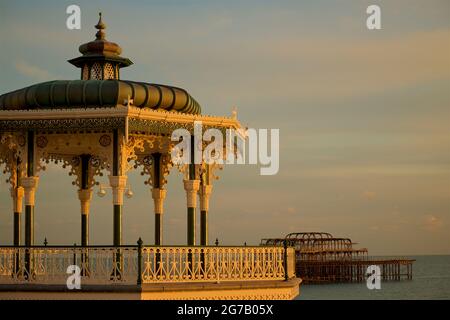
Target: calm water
pixel 431 280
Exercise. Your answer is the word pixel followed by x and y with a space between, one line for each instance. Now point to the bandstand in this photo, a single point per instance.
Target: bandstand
pixel 99 124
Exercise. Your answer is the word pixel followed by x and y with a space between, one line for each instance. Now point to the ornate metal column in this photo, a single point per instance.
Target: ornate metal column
pixel 85 196
pixel 29 183
pixel 205 192
pixel 17 195
pixel 158 195
pixel 153 154
pixel 191 186
pixel 12 150
pixel 118 184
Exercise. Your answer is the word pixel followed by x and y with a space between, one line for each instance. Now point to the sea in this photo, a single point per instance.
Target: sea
pixel 431 280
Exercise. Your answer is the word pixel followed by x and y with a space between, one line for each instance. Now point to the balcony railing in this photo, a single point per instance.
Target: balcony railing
pixel 145 264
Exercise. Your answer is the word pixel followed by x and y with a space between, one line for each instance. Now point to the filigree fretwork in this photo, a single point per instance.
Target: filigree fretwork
pixel 201 170
pixel 129 152
pixel 144 159
pixel 208 172
pixel 68 161
pixel 146 162
pixel 166 166
pixel 12 151
pixel 73 163
pixel 67 148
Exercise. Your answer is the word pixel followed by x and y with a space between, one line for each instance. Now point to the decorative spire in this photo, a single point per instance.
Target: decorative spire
pixel 100 35
pixel 100 58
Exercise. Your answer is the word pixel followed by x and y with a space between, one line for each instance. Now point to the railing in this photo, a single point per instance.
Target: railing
pixel 48 265
pixel 145 264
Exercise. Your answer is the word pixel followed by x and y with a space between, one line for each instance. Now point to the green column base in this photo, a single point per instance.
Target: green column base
pixel 84 230
pixel 191 226
pixel 29 240
pixel 29 225
pixel 117 236
pixel 117 240
pixel 204 228
pixel 17 219
pixel 158 229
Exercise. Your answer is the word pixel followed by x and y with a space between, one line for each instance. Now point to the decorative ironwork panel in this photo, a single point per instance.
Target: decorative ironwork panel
pixel 63 124
pixel 48 265
pixel 96 71
pixel 109 71
pixel 110 265
pixel 192 264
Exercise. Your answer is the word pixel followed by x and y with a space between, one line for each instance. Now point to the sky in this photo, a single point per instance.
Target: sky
pixel 363 115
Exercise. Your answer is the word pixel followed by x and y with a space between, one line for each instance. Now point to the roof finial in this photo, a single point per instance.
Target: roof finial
pixel 100 35
pixel 234 113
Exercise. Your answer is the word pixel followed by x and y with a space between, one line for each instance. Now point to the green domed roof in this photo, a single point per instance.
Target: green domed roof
pixel 66 94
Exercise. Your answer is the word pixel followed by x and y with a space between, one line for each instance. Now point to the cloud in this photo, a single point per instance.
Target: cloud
pixel 33 72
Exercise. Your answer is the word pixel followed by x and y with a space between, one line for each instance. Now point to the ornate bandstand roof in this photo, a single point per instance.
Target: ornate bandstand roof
pixel 61 94
pixel 101 99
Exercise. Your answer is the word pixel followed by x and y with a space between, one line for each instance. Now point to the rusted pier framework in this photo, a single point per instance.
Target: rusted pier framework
pixel 322 258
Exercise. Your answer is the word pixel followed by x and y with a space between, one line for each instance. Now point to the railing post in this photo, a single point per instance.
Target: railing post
pixel 286 274
pixel 202 261
pixel 16 271
pixel 74 254
pixel 139 266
